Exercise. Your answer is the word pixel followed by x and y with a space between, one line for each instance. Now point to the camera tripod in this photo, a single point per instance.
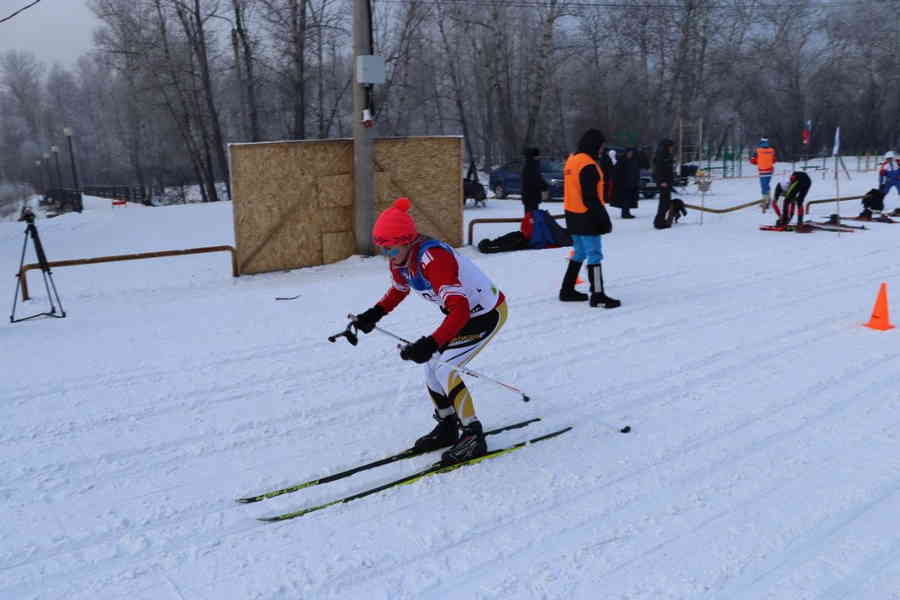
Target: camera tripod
pixel 31 231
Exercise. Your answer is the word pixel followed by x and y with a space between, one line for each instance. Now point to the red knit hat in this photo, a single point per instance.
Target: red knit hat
pixel 394 226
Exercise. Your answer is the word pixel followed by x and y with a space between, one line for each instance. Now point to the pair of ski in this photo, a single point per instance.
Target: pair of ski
pixel 434 469
pixel 879 219
pixel 810 227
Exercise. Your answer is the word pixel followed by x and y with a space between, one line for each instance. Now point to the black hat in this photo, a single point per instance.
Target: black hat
pixel 591 141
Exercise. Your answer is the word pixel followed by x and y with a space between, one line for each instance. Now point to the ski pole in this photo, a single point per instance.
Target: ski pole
pixel 460 368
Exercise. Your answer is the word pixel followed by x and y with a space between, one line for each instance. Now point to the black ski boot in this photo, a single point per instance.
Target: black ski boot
pixel 567 292
pixel 626 214
pixel 471 444
pixel 444 434
pixel 599 298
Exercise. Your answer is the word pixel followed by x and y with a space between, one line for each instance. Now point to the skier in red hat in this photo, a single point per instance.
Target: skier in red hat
pixel 474 311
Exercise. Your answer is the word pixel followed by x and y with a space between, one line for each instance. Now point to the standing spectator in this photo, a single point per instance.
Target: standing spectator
pixel 533 183
pixel 764 158
pixel 627 182
pixel 664 173
pixel 607 162
pixel 586 219
pixel 643 156
pixel 889 174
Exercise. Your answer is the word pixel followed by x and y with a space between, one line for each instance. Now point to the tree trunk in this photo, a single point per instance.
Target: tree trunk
pixel 249 85
pixel 451 52
pixel 298 75
pixel 215 123
pixel 539 76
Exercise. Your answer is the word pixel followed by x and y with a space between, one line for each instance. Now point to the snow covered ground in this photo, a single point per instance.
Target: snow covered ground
pixel 762 464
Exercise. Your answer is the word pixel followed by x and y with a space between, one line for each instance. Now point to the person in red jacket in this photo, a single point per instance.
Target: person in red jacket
pixel 474 309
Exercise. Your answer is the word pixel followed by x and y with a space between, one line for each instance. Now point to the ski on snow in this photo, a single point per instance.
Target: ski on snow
pixel 408 453
pixel 435 469
pixel 809 227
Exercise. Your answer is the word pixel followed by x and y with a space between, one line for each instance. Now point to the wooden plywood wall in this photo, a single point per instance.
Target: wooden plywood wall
pixel 293 201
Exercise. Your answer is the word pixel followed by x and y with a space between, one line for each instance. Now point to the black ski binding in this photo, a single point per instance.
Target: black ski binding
pixel 349 333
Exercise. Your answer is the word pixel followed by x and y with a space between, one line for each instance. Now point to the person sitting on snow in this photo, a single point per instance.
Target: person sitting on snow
pixel 794 190
pixel 873 204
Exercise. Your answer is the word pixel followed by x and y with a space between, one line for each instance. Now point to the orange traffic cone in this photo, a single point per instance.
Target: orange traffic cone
pixel 578 280
pixel 880 319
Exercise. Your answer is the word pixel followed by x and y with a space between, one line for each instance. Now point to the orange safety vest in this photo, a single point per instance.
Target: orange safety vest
pixel 764 159
pixel 573 198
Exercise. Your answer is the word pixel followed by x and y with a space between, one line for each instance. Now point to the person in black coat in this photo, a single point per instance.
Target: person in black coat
pixel 533 183
pixel 643 157
pixel 627 182
pixel 664 173
pixel 607 162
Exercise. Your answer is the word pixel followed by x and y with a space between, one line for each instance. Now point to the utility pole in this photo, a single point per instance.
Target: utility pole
pixel 68 133
pixel 49 172
pixel 363 134
pixel 55 151
pixel 40 178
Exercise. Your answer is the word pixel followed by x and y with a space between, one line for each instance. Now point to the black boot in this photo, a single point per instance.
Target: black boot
pixel 568 293
pixel 626 214
pixel 662 210
pixel 599 298
pixel 471 444
pixel 445 433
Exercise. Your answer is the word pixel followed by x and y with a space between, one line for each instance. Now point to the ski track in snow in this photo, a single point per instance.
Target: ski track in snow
pixel 761 464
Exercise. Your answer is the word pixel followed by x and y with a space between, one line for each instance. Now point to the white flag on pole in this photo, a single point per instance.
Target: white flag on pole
pixel 837 142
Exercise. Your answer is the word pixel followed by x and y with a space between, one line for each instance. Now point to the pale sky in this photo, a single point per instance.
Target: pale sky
pixel 54 30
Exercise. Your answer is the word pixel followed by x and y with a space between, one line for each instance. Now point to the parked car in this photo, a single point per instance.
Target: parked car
pixel 508 179
pixel 648 187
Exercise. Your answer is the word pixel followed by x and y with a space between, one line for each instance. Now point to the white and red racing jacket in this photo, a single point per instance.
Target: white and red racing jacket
pixel 448 279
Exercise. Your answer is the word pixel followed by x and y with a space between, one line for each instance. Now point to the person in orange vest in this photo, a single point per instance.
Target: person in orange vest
pixel 764 158
pixel 586 219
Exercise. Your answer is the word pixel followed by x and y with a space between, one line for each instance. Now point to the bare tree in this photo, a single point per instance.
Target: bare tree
pixel 244 63
pixel 194 23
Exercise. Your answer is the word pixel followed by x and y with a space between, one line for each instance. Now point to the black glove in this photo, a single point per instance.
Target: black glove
pixel 419 351
pixel 366 321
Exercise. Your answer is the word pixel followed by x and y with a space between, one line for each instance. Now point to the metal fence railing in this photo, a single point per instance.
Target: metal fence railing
pixel 119 192
pixel 63 199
